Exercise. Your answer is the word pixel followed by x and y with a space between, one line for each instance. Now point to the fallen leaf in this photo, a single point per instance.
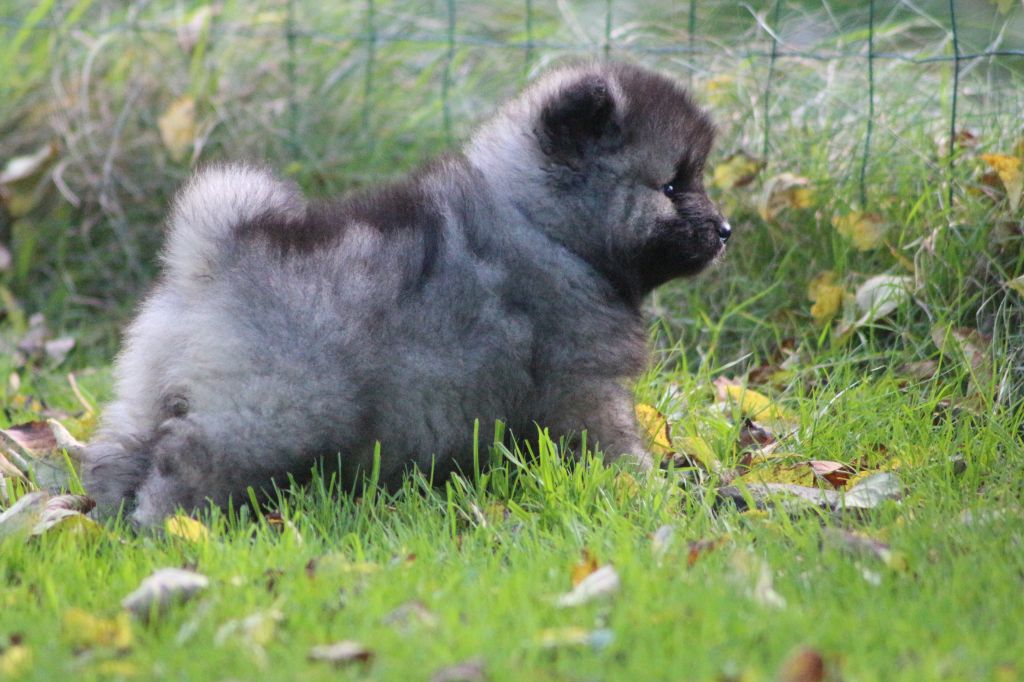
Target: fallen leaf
pixel 868 493
pixel 754 435
pixel 865 230
pixel 15 660
pixel 970 347
pixel 864 545
pixel 186 528
pixel 826 295
pixel 38 512
pixel 694 451
pixel 557 638
pixel 341 653
pixel 872 491
pixel 256 629
pixel 753 405
pixel 699 548
pixel 38 447
pixel 654 426
pixel 411 613
pixel 784 191
pixel 164 587
pixel 82 630
pixel 1017 284
pixel 736 170
pixel 582 568
pixel 601 583
pixel 24 167
pixel 178 127
pixel 876 298
pixel 1009 170
pixel 836 473
pixel 922 370
pixel 472 670
pixel 803 665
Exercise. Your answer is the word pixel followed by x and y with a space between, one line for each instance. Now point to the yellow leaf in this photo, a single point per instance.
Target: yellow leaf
pixel 178 127
pixel 775 471
pixel 14 660
pixel 186 528
pixel 654 425
pixel 584 567
pixel 752 404
pixel 696 448
pixel 1017 284
pixel 865 230
pixel 826 296
pixel 83 630
pixel 736 170
pixel 1009 170
pixel 784 191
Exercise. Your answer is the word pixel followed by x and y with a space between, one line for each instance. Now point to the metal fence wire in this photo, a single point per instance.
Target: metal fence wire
pixel 350 91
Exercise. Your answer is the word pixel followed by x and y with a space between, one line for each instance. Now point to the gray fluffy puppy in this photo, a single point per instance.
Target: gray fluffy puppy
pixel 500 283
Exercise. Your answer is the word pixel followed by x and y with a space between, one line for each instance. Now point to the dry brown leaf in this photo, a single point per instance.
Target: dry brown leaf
pixel 836 473
pixel 164 587
pixel 699 548
pixel 803 665
pixel 754 435
pixel 38 512
pixel 39 447
pixel 784 191
pixel 582 568
pixel 341 653
pixel 409 614
pixel 970 347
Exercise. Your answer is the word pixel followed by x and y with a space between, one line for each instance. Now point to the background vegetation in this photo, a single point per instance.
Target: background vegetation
pixel 870 162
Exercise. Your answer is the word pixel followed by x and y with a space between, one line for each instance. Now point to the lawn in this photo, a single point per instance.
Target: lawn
pixel 839 403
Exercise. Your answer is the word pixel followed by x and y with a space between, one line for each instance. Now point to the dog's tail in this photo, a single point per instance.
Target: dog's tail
pixel 209 210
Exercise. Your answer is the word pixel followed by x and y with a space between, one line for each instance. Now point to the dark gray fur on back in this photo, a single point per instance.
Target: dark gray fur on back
pixel 502 283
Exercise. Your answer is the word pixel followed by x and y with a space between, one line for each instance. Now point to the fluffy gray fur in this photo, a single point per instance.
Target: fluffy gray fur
pixel 501 283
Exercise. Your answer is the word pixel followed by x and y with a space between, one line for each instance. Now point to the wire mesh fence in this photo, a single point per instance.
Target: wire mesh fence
pixel 336 94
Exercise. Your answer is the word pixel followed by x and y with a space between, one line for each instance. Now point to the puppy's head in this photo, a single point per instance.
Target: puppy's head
pixel 608 159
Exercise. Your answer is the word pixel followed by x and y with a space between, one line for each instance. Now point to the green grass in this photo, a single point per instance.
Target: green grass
pixel 488 557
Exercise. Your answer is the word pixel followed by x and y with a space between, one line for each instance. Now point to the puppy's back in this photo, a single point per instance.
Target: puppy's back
pixel 211 206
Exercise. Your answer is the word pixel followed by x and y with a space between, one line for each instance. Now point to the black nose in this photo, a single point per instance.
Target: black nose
pixel 724 230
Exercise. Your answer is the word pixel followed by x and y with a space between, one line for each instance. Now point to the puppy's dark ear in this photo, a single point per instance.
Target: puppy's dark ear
pixel 579 117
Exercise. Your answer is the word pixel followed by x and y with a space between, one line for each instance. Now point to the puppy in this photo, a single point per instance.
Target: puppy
pixel 500 283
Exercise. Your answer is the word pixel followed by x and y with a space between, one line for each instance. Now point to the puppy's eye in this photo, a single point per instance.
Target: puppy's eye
pixel 668 190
